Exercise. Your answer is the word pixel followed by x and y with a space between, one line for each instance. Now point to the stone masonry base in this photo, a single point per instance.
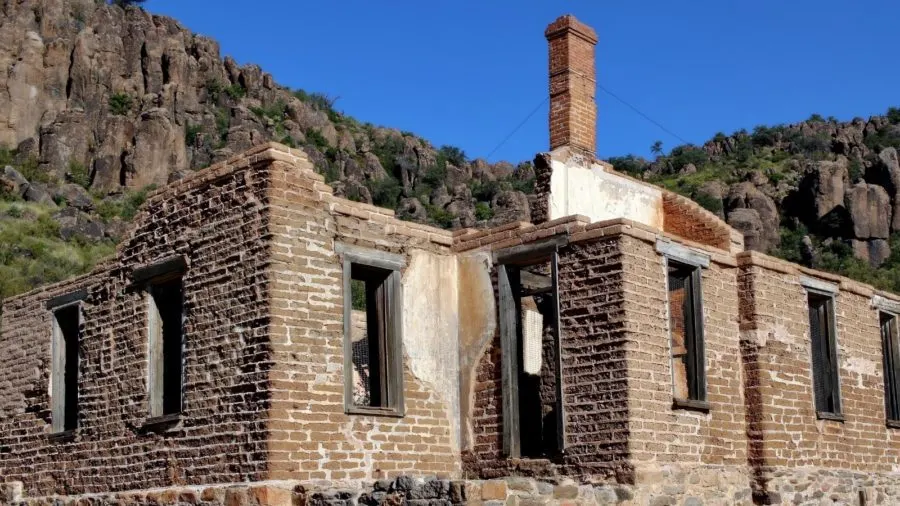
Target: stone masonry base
pixel 662 486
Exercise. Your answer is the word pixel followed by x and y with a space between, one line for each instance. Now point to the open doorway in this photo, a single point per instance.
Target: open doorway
pixel 530 342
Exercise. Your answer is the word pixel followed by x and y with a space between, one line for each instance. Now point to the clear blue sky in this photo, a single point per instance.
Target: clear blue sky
pixel 466 72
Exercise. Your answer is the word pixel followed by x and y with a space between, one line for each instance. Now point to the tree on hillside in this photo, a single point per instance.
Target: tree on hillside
pixel 126 3
pixel 656 148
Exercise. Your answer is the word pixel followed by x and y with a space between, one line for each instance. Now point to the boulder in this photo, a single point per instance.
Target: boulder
pixel 870 211
pixel 510 205
pixel 825 183
pixel 13 182
pixel 38 193
pixel 874 251
pixel 75 196
pixel 411 209
pixel 75 223
pixel 158 149
pixel 748 222
pixel 886 172
pixel 747 196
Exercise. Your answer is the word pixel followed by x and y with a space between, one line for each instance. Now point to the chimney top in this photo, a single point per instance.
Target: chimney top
pixel 569 23
pixel 573 111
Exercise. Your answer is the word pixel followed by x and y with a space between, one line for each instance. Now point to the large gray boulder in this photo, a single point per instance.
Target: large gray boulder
pixel 747 196
pixel 870 211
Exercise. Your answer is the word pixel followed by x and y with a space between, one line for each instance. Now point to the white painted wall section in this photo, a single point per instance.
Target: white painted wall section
pixel 431 328
pixel 601 195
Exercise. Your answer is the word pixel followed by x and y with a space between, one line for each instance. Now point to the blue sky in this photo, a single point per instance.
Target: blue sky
pixel 466 72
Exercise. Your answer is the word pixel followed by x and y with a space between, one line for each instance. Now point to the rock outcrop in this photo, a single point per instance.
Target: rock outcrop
pixel 137 100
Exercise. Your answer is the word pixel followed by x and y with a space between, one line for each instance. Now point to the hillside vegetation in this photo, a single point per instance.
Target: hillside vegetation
pixel 102 102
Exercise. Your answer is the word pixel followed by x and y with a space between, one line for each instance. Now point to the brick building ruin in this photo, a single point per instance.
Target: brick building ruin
pixel 257 340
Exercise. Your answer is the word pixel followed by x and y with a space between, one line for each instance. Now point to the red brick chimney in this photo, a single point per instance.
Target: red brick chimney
pixel 573 111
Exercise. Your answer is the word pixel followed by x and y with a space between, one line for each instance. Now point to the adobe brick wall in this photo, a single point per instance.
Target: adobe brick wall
pixel 311 438
pixel 217 221
pixel 685 218
pixel 785 436
pixel 658 433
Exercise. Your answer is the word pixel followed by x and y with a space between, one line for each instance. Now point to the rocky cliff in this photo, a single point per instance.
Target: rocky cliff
pixel 99 103
pixel 821 192
pixel 114 99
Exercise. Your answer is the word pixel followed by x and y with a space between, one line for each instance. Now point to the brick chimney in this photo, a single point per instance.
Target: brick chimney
pixel 573 111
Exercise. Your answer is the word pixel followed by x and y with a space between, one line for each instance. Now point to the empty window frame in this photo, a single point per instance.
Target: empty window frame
pixel 66 340
pixel 373 365
pixel 165 311
pixel 825 371
pixel 685 309
pixel 531 361
pixel 890 342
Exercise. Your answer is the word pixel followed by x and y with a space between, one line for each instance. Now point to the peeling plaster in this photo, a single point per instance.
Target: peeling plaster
pixel 601 195
pixel 431 327
pixel 862 367
pixel 478 324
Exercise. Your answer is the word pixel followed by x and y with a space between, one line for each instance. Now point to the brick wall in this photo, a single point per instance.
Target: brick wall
pixel 311 438
pixel 685 218
pixel 660 434
pixel 784 430
pixel 217 221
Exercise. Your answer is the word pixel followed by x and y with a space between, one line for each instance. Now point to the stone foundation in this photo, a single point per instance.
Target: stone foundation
pixel 813 487
pixel 663 486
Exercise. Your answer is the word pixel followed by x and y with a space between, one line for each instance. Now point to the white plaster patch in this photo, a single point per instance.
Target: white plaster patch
pixel 431 328
pixel 601 195
pixel 861 367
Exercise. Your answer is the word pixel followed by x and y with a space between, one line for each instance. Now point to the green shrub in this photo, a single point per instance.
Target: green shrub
pixel 126 3
pixel 213 90
pixel 893 115
pixel 191 132
pixel 235 91
pixel 314 137
pixel 319 101
pixel 629 164
pixel 439 216
pixel 483 211
pixel 453 154
pixel 79 174
pixel 120 104
pixel 125 207
pixel 484 190
pixel 385 191
pixel 275 112
pixel 816 118
pixel 32 252
pixel 708 202
pixel 683 155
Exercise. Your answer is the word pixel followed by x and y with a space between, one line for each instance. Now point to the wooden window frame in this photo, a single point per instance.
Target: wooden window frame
pixel 824 292
pixel 63 422
pixel 689 258
pixel 149 277
pixel 890 343
pixel 695 338
pixel 392 329
pixel 513 257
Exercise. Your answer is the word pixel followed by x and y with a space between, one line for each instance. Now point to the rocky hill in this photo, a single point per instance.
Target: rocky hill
pixel 99 104
pixel 821 192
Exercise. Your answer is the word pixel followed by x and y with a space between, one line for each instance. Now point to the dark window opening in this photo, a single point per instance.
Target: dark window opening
pixel 67 323
pixel 374 373
pixel 891 352
pixel 686 331
pixel 531 361
pixel 824 354
pixel 166 347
